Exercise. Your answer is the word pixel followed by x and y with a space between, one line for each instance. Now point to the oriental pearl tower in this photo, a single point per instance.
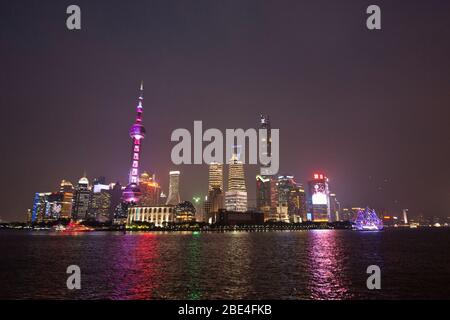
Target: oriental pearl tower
pixel 131 193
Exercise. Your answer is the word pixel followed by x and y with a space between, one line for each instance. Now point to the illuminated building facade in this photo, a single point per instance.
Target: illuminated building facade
pixel 174 188
pixel 81 200
pixel 215 176
pixel 266 185
pixel 66 188
pixel 132 192
pixel 335 208
pixel 236 196
pixel 47 206
pixel 266 196
pixel 158 215
pixel 39 206
pixel 184 212
pixel 291 200
pixel 100 204
pixel 150 190
pixel 319 198
pixel 215 197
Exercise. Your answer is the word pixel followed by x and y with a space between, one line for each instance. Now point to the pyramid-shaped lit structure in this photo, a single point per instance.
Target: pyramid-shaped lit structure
pixel 367 220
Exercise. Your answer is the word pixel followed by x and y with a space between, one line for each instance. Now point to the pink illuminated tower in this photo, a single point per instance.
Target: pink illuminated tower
pixel 131 193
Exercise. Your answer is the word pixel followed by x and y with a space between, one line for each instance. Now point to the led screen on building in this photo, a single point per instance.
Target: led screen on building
pixel 319 194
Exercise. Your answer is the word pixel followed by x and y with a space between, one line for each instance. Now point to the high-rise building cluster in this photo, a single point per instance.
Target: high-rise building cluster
pixel 278 198
pixel 101 201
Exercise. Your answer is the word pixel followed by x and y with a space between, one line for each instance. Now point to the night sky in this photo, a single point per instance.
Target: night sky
pixel 370 109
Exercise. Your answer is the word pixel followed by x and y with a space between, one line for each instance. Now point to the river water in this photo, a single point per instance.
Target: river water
pixel 315 264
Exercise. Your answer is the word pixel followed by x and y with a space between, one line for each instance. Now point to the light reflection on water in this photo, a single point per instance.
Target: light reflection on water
pixel 320 264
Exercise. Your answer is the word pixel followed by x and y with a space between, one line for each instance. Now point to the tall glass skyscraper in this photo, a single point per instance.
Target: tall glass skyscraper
pixel 236 196
pixel 266 185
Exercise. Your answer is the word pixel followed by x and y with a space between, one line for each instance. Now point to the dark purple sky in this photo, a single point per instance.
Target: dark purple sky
pixel 370 109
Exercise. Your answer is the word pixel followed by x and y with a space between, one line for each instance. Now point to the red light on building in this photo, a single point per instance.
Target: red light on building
pixel 316 176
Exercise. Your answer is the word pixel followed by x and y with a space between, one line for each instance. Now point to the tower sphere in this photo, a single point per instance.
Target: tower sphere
pixel 137 131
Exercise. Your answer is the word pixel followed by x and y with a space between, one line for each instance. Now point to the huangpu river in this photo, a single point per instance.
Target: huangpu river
pixel 315 264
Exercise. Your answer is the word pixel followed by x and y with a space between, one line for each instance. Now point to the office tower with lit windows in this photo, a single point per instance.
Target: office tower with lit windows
pixel 266 196
pixel 66 188
pixel 291 200
pixel 236 196
pixel 264 123
pixel 81 200
pixel 174 188
pixel 215 176
pixel 150 190
pixel 184 212
pixel 116 198
pixel 132 192
pixel 319 198
pixel 335 208
pixel 213 202
pixel 100 203
pixel 39 206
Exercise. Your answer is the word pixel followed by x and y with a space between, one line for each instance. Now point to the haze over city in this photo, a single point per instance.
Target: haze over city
pixel 370 110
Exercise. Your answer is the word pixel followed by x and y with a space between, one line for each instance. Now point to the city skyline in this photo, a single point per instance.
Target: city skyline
pixel 373 121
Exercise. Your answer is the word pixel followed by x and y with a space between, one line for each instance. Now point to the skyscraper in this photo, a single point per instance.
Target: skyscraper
pixel 116 195
pixel 150 190
pixel 81 199
pixel 39 206
pixel 291 198
pixel 66 188
pixel 319 198
pixel 174 191
pixel 215 176
pixel 132 192
pixel 264 123
pixel 266 196
pixel 335 208
pixel 236 196
pixel 100 205
pixel 266 185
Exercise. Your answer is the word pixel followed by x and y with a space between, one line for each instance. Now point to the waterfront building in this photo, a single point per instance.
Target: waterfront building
pixel 100 205
pixel 54 206
pixel 405 216
pixel 81 200
pixel 184 212
pixel 319 198
pixel 131 193
pixel 66 188
pixel 266 196
pixel 215 179
pixel 215 197
pixel 115 200
pixel 264 123
pixel 162 197
pixel 232 218
pixel 236 196
pixel 39 206
pixel 29 216
pixel 47 206
pixel 335 208
pixel 158 215
pixel 266 185
pixel 174 188
pixel 150 190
